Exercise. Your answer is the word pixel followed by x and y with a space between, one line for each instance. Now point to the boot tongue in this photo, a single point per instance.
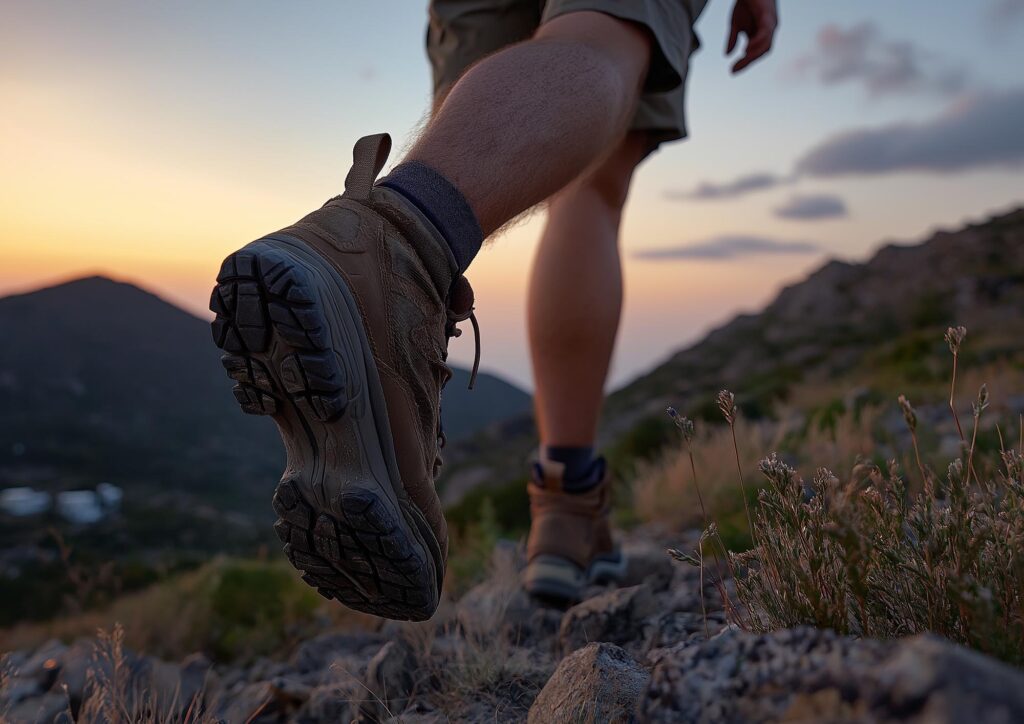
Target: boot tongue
pixel 549 475
pixel 368 157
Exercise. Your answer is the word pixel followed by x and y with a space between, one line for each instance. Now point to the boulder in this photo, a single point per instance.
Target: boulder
pixel 495 606
pixel 647 562
pixel 665 630
pixel 178 686
pixel 38 710
pixel 614 617
pixel 807 674
pixel 320 653
pixel 328 703
pixel 250 703
pixel 597 683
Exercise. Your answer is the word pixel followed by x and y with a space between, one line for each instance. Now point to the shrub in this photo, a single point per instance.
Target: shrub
pixel 866 557
pixel 859 558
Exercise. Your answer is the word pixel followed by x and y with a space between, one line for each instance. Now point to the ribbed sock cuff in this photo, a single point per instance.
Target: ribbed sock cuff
pixel 582 470
pixel 443 204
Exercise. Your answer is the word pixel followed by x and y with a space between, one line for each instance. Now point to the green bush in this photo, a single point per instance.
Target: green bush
pixel 255 608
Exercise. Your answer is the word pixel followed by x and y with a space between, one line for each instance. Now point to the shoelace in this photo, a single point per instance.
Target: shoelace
pixel 460 308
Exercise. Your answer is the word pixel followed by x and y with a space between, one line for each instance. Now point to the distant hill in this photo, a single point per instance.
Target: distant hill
pixel 101 380
pixel 870 324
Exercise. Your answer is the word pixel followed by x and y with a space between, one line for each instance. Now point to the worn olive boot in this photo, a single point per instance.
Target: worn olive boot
pixel 338 328
pixel 570 543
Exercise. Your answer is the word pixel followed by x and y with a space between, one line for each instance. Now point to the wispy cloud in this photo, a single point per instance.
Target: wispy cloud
pixel 729 247
pixel 1003 18
pixel 1003 11
pixel 978 132
pixel 812 207
pixel 862 55
pixel 711 191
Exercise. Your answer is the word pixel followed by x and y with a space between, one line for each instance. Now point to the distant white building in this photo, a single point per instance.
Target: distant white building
pixel 76 506
pixel 80 506
pixel 23 502
pixel 110 495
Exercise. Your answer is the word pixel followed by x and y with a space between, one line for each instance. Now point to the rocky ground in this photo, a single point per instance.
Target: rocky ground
pixel 655 649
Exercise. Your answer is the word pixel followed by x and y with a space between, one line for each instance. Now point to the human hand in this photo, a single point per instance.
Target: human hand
pixel 758 20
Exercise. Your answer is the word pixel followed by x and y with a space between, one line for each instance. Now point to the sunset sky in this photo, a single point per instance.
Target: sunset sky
pixel 147 140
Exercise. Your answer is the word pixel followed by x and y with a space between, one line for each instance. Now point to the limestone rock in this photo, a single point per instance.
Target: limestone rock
pixel 38 710
pixel 598 683
pixel 806 674
pixel 615 617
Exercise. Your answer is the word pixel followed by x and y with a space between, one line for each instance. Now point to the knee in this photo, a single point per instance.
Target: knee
pixel 610 181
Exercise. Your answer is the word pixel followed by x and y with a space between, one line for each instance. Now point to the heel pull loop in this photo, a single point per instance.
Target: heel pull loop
pixel 368 158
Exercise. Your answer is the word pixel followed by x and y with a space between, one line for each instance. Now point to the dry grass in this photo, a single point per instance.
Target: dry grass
pixel 114 694
pixel 885 554
pixel 229 609
pixel 669 491
pixel 860 557
pixel 664 491
pixel 488 664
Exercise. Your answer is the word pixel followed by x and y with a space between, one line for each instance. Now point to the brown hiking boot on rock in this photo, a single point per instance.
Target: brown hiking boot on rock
pixel 570 543
pixel 338 328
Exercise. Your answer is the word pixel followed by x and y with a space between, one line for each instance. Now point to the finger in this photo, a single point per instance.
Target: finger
pixel 755 49
pixel 734 34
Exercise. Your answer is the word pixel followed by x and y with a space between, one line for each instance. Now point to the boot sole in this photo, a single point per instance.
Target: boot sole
pixel 559 582
pixel 296 347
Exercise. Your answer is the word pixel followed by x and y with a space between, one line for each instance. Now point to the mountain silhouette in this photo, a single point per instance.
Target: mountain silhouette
pixel 103 381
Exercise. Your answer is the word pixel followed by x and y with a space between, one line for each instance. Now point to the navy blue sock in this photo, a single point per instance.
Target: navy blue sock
pixel 438 199
pixel 582 471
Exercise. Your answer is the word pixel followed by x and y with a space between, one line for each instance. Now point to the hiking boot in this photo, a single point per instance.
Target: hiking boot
pixel 570 544
pixel 338 328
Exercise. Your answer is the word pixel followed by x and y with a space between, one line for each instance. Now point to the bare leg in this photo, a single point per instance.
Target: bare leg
pixel 573 317
pixel 524 122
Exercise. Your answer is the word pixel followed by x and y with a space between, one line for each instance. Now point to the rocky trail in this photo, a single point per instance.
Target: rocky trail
pixel 655 649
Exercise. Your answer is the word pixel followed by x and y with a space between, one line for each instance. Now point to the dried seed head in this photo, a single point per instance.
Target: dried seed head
pixel 727 404
pixel 908 413
pixel 775 469
pixel 955 337
pixel 825 480
pixel 684 557
pixel 982 402
pixel 685 425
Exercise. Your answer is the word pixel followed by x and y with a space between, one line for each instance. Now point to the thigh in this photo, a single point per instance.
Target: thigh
pixel 461 32
pixel 661 110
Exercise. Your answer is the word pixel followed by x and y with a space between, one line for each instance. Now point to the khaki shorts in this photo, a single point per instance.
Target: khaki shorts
pixel 462 32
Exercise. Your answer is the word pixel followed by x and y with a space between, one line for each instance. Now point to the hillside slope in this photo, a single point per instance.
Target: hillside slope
pixel 875 326
pixel 852 321
pixel 101 380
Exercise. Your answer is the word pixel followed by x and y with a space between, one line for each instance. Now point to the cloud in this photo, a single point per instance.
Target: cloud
pixel 812 208
pixel 983 131
pixel 729 247
pixel 1003 11
pixel 861 55
pixel 711 191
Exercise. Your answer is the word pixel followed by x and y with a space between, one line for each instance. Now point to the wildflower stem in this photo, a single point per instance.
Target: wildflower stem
pixel 952 399
pixel 703 608
pixel 743 487
pixel 917 455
